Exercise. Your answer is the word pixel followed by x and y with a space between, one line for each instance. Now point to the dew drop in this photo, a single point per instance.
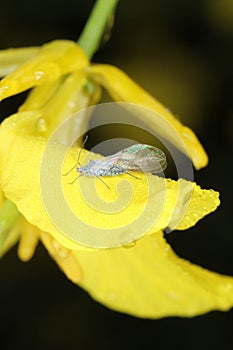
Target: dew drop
pixel 112 296
pixel 129 245
pixel 225 288
pixel 42 125
pixel 167 248
pixel 38 75
pixel 62 252
pixel 172 295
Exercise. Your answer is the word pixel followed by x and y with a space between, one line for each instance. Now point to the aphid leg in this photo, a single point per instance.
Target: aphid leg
pixel 99 178
pixel 71 183
pixel 136 177
pixel 78 162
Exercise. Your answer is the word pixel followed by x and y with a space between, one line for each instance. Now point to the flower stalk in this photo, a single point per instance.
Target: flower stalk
pixel 93 31
pixel 8 216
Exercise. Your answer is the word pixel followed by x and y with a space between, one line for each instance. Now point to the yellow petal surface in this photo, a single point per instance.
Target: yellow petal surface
pixel 124 89
pixel 131 207
pixel 10 59
pixel 52 61
pixel 65 258
pixel 54 102
pixel 29 239
pixel 149 280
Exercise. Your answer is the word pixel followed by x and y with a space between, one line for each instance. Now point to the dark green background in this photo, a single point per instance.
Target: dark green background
pixel 181 52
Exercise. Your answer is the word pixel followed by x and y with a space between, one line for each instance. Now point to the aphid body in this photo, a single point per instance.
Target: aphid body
pixel 139 157
pixel 101 168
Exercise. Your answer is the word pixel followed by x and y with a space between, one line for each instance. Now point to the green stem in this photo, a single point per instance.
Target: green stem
pixel 92 33
pixel 8 216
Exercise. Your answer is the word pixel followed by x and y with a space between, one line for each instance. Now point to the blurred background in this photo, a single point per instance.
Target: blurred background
pixel 181 52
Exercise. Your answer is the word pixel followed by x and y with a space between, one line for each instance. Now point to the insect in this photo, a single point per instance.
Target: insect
pixel 139 158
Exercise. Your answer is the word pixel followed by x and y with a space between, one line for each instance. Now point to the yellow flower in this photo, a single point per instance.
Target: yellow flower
pixel 145 279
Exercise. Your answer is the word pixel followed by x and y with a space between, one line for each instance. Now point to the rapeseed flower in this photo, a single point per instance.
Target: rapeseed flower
pixel 146 278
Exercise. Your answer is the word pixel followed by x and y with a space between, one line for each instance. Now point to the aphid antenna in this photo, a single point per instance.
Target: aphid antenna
pixel 85 140
pixel 78 162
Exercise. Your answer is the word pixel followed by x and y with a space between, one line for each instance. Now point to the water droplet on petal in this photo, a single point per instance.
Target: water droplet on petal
pixel 38 74
pixel 42 125
pixel 112 296
pixel 61 251
pixel 173 295
pixel 129 245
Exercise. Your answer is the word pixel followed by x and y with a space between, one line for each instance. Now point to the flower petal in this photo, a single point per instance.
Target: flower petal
pixel 54 102
pixel 64 257
pixel 28 240
pixel 123 89
pixel 12 238
pixel 149 280
pixel 52 61
pixel 10 59
pixel 148 204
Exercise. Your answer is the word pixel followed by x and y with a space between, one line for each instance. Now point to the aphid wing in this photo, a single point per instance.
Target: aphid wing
pixel 126 155
pixel 147 165
pixel 118 158
pixel 139 157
